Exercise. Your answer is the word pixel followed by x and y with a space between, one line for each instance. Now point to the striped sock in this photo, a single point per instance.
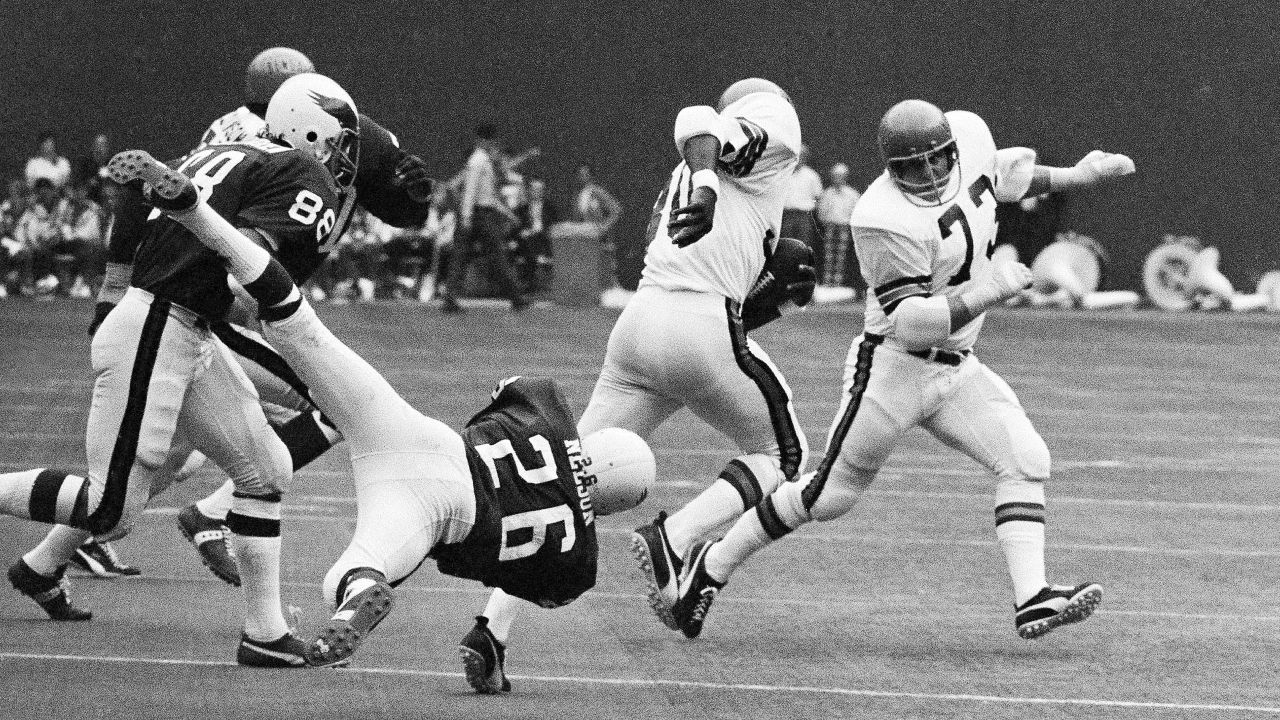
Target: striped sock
pixel 1020 519
pixel 255 524
pixel 756 529
pixel 47 496
pixel 741 486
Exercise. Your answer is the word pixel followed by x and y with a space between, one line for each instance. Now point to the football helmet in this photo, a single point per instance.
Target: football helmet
pixel 919 150
pixel 743 88
pixel 313 113
pixel 623 466
pixel 268 69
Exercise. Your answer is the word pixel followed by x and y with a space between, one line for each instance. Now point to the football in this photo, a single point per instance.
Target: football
pixel 781 269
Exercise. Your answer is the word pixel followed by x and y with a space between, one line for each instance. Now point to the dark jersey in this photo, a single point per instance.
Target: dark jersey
pixel 253 184
pixel 534 535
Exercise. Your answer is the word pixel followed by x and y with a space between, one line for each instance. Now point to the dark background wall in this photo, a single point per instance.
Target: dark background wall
pixel 1189 89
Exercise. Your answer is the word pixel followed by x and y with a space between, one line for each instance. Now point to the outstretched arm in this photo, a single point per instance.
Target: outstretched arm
pixel 1096 167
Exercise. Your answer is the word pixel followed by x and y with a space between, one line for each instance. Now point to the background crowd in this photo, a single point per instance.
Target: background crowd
pixel 490 231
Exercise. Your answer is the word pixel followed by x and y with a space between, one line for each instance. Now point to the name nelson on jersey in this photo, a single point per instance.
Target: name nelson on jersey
pixel 583 478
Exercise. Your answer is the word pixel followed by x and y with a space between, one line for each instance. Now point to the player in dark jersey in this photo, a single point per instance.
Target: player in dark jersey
pixel 392 184
pixel 164 381
pixel 511 502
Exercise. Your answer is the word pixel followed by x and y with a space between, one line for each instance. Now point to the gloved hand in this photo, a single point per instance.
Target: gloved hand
pixel 411 174
pixel 691 222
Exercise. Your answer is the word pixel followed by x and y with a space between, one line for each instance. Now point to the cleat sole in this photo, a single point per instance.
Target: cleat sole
pixel 1078 610
pixel 339 640
pixel 660 606
pixel 478 678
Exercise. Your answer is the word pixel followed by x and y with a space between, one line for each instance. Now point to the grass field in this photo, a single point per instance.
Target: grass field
pixel 1166 441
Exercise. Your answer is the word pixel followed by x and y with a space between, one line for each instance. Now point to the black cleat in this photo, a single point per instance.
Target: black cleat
pixel 286 651
pixel 484 659
pixel 1054 606
pixel 338 640
pixel 697 591
pixel 211 540
pixel 100 559
pixel 660 565
pixel 49 593
pixel 165 188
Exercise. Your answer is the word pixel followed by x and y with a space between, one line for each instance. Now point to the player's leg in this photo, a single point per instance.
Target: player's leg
pixel 751 404
pixel 413 491
pixel 982 418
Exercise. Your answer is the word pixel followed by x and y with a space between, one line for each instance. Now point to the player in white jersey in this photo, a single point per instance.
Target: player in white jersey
pixel 681 340
pixel 923 232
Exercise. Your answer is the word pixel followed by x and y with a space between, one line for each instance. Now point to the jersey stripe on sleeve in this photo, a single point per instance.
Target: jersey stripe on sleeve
pixel 892 293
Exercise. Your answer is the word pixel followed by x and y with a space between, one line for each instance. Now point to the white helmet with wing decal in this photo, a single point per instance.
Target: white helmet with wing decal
pixel 313 113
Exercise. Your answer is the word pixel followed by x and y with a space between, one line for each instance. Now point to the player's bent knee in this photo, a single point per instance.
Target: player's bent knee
pixel 754 477
pixel 1032 462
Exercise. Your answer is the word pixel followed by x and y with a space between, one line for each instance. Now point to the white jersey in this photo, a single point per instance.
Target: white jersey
pixel 760 150
pixel 907 249
pixel 235 126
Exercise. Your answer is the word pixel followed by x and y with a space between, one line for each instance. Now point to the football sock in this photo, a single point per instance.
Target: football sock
pixel 752 532
pixel 1020 518
pixel 741 486
pixel 255 524
pixel 219 503
pixel 47 496
pixel 56 549
pixel 501 612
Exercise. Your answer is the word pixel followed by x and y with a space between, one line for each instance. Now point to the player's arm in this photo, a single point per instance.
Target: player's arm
pixel 1015 164
pixel 391 183
pixel 700 133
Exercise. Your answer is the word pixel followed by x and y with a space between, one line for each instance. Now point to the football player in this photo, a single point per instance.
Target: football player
pixel 509 502
pixel 924 232
pixel 391 183
pixel 681 340
pixel 166 383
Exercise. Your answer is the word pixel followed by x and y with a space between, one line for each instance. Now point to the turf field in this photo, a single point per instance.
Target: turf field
pixel 1166 442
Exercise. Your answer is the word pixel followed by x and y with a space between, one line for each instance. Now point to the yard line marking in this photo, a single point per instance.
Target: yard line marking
pixel 699 685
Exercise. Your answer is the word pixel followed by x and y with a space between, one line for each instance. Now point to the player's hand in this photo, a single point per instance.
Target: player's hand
pixel 690 223
pixel 800 288
pixel 1009 279
pixel 1101 165
pixel 100 310
pixel 411 174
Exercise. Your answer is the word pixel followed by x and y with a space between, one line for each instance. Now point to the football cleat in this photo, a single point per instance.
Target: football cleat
pixel 351 624
pixel 661 567
pixel 100 559
pixel 165 187
pixel 1054 606
pixel 484 659
pixel 212 541
pixel 49 593
pixel 288 650
pixel 697 591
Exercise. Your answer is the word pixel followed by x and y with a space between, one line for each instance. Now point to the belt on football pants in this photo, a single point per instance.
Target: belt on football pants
pixel 946 357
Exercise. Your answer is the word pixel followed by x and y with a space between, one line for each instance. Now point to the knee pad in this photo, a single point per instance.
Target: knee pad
pixel 270 476
pixel 830 495
pixel 754 477
pixel 1031 462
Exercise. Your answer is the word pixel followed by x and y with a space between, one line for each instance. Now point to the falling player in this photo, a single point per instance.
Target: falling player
pixel 681 341
pixel 510 502
pixel 923 233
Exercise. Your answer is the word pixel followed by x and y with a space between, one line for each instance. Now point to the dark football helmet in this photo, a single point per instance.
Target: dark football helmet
pixel 919 150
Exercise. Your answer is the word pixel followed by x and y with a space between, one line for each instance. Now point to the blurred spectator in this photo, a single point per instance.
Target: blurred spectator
pixel 80 256
pixel 40 230
pixel 90 170
pixel 484 223
pixel 356 261
pixel 48 164
pixel 439 229
pixel 797 211
pixel 533 259
pixel 15 267
pixel 598 206
pixel 835 205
